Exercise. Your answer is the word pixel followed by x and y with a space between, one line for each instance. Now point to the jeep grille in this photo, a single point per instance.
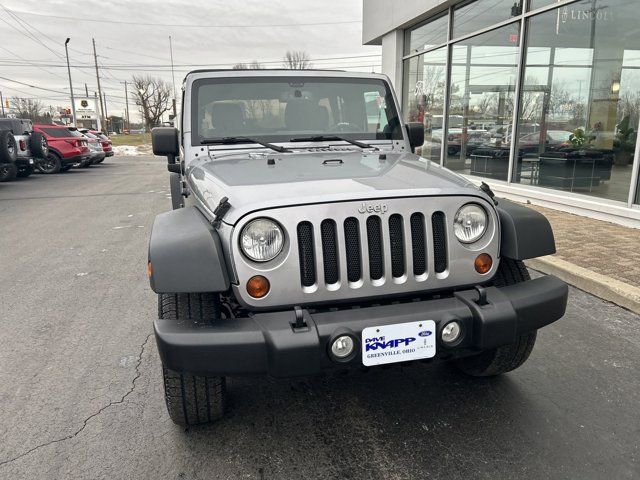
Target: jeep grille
pixel 395 236
pixel 345 251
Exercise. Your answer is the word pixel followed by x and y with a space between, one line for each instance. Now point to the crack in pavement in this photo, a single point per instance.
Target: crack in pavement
pixel 86 420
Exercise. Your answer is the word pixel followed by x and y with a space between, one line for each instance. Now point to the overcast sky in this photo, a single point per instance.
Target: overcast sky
pixel 129 40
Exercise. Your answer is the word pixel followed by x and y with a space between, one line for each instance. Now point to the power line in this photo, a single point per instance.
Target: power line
pixel 26 33
pixel 127 66
pixel 25 60
pixel 33 86
pixel 186 25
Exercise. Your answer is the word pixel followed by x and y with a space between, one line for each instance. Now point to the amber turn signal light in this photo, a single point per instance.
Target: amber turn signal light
pixel 483 263
pixel 149 269
pixel 258 286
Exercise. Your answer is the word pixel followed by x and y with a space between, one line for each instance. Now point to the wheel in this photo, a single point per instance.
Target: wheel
pixel 85 165
pixel 38 145
pixel 508 357
pixel 8 147
pixel 25 172
pixel 510 272
pixel 51 164
pixel 8 172
pixel 192 399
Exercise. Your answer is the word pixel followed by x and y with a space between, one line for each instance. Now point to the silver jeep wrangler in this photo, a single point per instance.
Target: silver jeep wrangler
pixel 307 236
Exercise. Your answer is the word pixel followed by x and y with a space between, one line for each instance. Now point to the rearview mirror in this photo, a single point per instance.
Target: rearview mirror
pixel 165 142
pixel 415 131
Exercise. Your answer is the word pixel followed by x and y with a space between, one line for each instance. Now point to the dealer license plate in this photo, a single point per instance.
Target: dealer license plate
pixel 398 343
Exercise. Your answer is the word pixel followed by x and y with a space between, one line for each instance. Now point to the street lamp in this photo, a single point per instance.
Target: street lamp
pixel 73 103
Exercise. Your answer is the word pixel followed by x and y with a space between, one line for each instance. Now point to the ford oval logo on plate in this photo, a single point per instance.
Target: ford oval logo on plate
pixel 425 333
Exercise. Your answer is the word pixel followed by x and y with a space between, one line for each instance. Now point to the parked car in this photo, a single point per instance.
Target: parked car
pixel 555 140
pixel 107 145
pixel 67 148
pixel 23 149
pixel 95 145
pixel 298 246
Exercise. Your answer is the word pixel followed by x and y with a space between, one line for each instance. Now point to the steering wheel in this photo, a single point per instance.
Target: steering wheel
pixel 346 127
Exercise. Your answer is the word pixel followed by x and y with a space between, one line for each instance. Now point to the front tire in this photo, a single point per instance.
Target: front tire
pixel 506 358
pixel 192 399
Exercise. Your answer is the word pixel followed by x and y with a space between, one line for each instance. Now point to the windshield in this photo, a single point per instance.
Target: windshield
pixel 279 109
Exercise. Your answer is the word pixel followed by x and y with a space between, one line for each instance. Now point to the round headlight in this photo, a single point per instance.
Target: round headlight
pixel 261 240
pixel 470 223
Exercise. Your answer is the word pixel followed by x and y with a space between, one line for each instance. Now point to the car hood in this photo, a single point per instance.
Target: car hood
pixel 256 181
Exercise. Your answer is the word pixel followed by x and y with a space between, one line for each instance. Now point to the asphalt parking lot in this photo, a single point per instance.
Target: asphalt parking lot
pixel 81 393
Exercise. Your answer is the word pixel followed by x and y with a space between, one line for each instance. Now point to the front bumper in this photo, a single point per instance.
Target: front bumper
pixel 109 153
pixel 267 343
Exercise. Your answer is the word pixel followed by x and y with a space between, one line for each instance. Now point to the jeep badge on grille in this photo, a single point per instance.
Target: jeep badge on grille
pixel 376 208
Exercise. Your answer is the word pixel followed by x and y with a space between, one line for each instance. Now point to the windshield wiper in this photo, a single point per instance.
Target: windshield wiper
pixel 329 138
pixel 234 140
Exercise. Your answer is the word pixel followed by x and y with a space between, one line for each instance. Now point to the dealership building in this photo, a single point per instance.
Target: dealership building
pixel 538 98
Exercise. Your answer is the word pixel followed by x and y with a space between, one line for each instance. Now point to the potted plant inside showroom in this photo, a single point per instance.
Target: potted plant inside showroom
pixel 578 139
pixel 624 142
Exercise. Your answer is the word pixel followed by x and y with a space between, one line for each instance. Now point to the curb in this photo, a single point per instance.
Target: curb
pixel 607 288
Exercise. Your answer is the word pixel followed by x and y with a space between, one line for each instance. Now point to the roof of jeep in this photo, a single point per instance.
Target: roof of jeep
pixel 277 72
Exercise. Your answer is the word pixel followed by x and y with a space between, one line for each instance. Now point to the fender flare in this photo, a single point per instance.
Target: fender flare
pixel 525 233
pixel 185 254
pixel 175 185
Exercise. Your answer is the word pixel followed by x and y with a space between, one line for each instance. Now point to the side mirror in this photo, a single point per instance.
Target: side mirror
pixel 165 142
pixel 415 131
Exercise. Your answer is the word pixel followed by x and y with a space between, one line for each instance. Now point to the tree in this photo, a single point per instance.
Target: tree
pixel 255 65
pixel 28 108
pixel 297 60
pixel 153 97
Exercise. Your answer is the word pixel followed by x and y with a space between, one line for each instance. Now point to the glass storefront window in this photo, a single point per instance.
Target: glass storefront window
pixel 580 103
pixel 426 35
pixel 423 98
pixel 478 14
pixel 483 79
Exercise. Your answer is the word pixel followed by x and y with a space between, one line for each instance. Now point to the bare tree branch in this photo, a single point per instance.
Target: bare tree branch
pixel 255 65
pixel 153 97
pixel 297 60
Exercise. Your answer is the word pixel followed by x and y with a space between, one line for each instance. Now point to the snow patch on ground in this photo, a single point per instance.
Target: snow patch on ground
pixel 132 151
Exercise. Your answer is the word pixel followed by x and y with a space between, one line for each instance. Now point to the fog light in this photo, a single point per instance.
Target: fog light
pixel 342 346
pixel 451 332
pixel 483 263
pixel 258 286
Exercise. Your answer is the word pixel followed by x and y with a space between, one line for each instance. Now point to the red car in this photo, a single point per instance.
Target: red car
pixel 66 149
pixel 106 143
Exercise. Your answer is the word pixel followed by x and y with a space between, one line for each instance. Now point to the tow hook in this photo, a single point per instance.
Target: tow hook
pixel 299 325
pixel 482 296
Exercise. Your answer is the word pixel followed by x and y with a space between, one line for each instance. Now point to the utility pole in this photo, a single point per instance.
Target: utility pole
pixel 73 102
pixel 106 115
pixel 126 99
pixel 2 103
pixel 86 90
pixel 95 58
pixel 173 77
pixel 99 122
